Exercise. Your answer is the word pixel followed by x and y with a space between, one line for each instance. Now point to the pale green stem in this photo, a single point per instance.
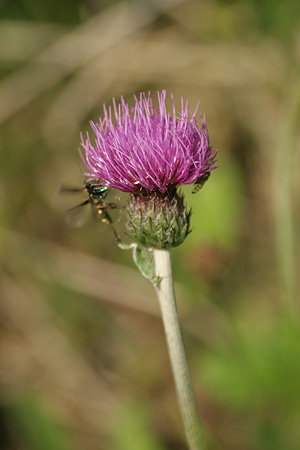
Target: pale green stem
pixel 283 200
pixel 187 403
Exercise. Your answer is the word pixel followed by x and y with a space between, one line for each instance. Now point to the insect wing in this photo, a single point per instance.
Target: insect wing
pixel 97 204
pixel 76 217
pixel 78 214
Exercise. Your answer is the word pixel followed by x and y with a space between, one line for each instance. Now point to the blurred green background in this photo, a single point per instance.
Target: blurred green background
pixel 83 362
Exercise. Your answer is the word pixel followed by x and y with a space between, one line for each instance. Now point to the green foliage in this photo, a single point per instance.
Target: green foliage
pixel 277 17
pixel 217 208
pixel 33 427
pixel 130 431
pixel 257 368
pixel 260 372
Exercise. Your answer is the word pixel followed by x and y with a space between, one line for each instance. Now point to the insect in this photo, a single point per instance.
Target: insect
pixel 200 182
pixel 96 198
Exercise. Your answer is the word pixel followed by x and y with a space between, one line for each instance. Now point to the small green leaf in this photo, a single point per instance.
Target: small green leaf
pixel 143 259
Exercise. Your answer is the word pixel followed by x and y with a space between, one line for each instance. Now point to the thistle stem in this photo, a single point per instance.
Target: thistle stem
pixel 187 403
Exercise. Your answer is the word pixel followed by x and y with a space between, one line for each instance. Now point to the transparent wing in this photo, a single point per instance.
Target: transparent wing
pixel 78 215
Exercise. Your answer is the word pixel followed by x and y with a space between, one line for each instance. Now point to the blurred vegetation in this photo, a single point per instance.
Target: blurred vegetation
pixel 82 353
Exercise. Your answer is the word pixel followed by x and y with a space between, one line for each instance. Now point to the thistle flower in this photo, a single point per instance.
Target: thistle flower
pixel 148 148
pixel 149 152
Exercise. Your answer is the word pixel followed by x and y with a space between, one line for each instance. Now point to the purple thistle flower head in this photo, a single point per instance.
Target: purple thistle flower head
pixel 147 148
